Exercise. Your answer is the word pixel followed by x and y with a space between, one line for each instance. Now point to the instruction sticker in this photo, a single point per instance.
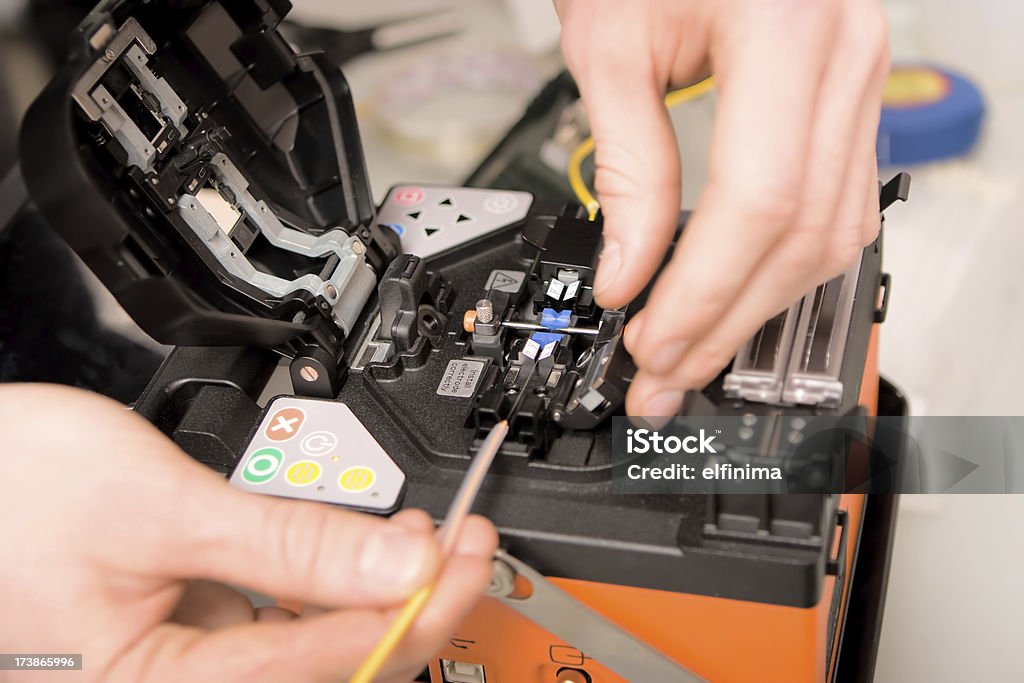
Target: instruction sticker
pixel 460 378
pixel 505 281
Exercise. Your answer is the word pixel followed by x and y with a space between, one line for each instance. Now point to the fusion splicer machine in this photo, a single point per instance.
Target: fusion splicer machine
pixel 213 179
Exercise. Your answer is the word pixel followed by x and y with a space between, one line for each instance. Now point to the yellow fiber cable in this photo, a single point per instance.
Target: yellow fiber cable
pixel 579 186
pixel 447 536
pixel 386 645
pixel 586 148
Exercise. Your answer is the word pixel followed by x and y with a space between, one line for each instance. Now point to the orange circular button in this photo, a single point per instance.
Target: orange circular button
pixel 284 424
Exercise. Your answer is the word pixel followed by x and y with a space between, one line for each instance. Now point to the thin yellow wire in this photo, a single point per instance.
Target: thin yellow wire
pixel 586 148
pixel 386 645
pixel 447 537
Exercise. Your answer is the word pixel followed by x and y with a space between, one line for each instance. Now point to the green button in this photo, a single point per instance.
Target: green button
pixel 262 465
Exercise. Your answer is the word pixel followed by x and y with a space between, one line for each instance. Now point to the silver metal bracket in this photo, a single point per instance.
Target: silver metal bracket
pixel 797 356
pixel 346 289
pixel 528 592
pixel 132 46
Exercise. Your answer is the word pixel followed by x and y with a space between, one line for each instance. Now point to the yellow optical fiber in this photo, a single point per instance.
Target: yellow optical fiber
pixel 579 186
pixel 386 645
pixel 447 536
pixel 586 148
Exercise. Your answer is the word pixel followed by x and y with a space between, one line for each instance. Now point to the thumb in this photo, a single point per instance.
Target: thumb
pixel 637 178
pixel 294 550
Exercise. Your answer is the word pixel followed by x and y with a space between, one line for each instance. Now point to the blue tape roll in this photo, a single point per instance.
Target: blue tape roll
pixel 928 114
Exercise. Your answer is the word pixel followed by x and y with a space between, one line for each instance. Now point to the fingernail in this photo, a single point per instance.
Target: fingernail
pixel 396 558
pixel 667 358
pixel 664 404
pixel 633 333
pixel 608 266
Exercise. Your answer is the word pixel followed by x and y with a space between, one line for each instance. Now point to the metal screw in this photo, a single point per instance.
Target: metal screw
pixel 484 311
pixel 503 580
pixel 332 292
pixel 357 247
pixel 309 373
pixel 109 55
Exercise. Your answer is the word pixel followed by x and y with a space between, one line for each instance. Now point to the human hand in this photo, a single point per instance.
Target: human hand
pixel 106 524
pixel 792 192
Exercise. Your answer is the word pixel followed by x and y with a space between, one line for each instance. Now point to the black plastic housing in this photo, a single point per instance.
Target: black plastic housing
pixel 291 130
pixel 556 509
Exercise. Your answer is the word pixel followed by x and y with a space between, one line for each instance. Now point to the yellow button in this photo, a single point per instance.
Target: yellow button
pixel 303 473
pixel 357 479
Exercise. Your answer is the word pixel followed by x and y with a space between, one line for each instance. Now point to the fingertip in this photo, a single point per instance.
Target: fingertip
pixel 653 399
pixel 478 538
pixel 635 397
pixel 609 265
pixel 624 271
pixel 395 562
pixel 413 519
pixel 652 352
pixel 634 331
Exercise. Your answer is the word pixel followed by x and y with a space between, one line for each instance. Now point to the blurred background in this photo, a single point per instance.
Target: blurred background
pixel 447 80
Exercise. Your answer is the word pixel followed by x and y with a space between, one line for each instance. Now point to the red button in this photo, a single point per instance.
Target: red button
pixel 408 196
pixel 284 424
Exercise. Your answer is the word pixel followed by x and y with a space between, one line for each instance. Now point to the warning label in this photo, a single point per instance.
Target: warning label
pixel 460 378
pixel 505 280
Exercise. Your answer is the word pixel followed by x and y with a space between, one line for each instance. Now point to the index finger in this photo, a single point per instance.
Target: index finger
pixel 768 62
pixel 635 152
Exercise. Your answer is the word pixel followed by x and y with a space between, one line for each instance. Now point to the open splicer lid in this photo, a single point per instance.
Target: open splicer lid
pixel 210 176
